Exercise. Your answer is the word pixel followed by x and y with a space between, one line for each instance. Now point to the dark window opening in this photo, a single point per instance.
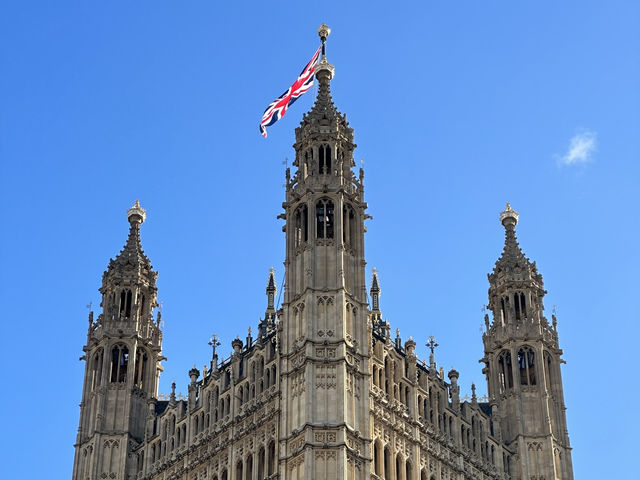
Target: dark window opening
pixel 324 157
pixel 119 363
pixel 324 218
pixel 141 368
pixel 300 225
pixel 97 369
pixel 348 226
pixel 547 370
pixel 142 306
pixel 520 305
pixel 526 363
pixel 125 303
pixel 505 375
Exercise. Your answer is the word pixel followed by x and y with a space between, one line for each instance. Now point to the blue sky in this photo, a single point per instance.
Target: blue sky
pixel 457 108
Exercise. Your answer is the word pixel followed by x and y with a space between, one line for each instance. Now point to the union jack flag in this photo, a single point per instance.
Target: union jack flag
pixel 276 110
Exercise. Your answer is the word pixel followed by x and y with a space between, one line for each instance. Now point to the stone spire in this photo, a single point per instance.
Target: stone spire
pixel 378 324
pixel 132 260
pixel 268 323
pixel 375 291
pixel 324 141
pixel 271 290
pixel 512 257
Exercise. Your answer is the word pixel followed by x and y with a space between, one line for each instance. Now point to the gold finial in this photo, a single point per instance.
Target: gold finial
pixel 509 214
pixel 323 32
pixel 136 214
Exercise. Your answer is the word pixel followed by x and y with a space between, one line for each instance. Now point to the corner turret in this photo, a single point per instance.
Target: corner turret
pixel 522 364
pixel 123 355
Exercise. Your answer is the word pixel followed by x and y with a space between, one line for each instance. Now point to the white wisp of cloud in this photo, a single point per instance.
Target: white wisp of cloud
pixel 581 148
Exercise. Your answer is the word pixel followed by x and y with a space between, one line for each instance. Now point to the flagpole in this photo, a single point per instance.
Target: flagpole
pixel 323 33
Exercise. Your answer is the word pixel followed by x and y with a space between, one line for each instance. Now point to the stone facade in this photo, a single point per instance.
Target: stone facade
pixel 323 391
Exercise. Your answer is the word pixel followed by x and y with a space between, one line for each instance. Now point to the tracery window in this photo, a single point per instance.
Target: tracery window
pixel 142 306
pixel 520 305
pixel 141 368
pixel 324 157
pixel 300 219
pixel 96 369
pixel 261 463
pixel 119 363
pixel 324 218
pixel 271 467
pixel 348 226
pixel 125 303
pixel 547 370
pixel 505 371
pixel 526 363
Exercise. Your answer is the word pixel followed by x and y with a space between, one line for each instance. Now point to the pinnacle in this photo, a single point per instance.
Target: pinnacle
pixel 324 108
pixel 512 254
pixel 375 286
pixel 132 253
pixel 271 284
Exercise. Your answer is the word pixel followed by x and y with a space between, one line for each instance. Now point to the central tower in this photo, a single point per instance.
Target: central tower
pixel 325 421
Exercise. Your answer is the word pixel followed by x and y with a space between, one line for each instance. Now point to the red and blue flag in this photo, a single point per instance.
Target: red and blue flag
pixel 276 110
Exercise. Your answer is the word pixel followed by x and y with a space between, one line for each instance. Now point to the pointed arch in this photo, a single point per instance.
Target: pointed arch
pixel 96 368
pixel 324 159
pixel 301 219
pixel 505 371
pixel 140 372
pixel 119 363
pixel 324 218
pixel 526 365
pixel 349 233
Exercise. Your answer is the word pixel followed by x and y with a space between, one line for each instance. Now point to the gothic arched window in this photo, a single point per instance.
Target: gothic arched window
pixel 505 373
pixel 300 219
pixel 348 226
pixel 139 375
pixel 520 305
pixel 271 466
pixel 96 369
pixel 142 306
pixel 125 303
pixel 308 155
pixel 526 364
pixel 547 369
pixel 324 157
pixel 324 218
pixel 261 462
pixel 119 363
